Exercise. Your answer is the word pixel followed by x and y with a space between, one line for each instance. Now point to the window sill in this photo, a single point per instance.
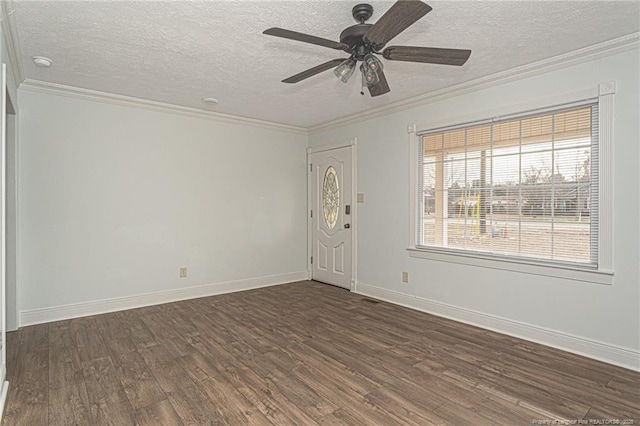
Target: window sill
pixel 515 265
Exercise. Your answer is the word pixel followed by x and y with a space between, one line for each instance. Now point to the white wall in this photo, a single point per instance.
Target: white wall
pixel 115 199
pixel 607 314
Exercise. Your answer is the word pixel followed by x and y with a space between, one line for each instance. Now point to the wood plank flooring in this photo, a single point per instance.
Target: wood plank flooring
pixel 299 354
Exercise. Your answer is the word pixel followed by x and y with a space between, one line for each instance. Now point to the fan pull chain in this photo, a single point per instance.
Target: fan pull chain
pixel 363 82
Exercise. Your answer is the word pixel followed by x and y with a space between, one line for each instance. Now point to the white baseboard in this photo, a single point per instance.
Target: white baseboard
pixel 3 397
pixel 95 307
pixel 623 357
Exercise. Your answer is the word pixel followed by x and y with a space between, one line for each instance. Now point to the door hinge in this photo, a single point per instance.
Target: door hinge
pixel 312 260
pixel 310 167
pixel 311 213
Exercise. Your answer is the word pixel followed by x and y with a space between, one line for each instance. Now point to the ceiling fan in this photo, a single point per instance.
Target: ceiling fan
pixel 364 41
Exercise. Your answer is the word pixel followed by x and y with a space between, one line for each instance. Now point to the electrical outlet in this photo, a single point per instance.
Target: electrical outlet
pixel 183 272
pixel 405 277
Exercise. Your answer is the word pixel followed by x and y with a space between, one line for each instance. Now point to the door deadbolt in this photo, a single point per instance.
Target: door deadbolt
pixel 347 226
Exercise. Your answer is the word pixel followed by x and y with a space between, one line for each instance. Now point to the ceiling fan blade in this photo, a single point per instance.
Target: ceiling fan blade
pixel 292 35
pixel 397 19
pixel 381 88
pixel 429 55
pixel 313 71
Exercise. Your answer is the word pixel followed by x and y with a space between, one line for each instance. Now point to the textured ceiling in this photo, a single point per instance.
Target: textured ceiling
pixel 181 51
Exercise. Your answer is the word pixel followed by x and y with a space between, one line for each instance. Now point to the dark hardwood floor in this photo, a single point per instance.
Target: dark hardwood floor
pixel 298 354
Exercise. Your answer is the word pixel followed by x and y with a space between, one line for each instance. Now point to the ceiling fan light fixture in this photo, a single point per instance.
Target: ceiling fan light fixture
pixel 373 63
pixel 345 70
pixel 369 76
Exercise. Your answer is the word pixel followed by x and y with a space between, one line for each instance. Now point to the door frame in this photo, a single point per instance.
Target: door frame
pixel 351 143
pixel 3 239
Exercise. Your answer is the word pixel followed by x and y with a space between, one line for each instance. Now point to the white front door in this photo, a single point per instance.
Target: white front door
pixel 331 216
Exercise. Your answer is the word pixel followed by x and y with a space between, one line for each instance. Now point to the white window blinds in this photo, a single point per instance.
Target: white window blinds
pixel 522 186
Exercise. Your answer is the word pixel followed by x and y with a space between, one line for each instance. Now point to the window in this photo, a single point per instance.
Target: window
pixel 523 187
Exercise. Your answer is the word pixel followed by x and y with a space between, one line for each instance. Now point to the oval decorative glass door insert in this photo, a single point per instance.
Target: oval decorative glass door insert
pixel 330 197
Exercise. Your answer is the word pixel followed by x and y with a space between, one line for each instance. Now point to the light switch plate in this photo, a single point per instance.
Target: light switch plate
pixel 360 197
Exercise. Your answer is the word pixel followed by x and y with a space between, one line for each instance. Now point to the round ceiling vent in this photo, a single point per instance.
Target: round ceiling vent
pixel 42 61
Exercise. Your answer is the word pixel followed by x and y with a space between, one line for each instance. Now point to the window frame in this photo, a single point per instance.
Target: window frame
pixel 603 96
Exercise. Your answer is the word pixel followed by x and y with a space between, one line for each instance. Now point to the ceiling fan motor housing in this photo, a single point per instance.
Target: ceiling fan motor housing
pixel 353 35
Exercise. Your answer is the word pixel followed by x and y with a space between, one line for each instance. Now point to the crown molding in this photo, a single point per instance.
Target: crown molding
pixel 608 48
pixel 112 98
pixel 600 50
pixel 12 43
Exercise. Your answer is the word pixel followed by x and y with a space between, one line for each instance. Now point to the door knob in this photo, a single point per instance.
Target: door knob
pixel 347 226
